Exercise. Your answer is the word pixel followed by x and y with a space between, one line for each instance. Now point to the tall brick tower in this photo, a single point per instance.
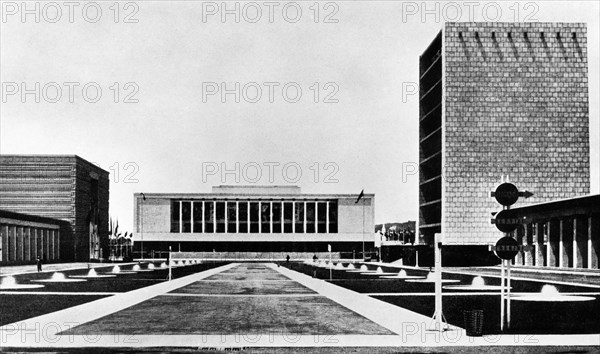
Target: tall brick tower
pixel 500 99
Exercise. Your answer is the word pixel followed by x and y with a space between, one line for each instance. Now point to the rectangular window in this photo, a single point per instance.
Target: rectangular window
pixel 174 215
pixel 220 217
pixel 209 217
pixel 288 214
pixel 243 214
pixel 186 216
pixel 197 216
pixel 265 217
pixel 276 217
pixel 333 217
pixel 231 217
pixel 254 217
pixel 321 217
pixel 299 217
pixel 310 217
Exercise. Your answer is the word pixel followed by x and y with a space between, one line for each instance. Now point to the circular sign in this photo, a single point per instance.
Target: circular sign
pixel 506 194
pixel 506 248
pixel 505 221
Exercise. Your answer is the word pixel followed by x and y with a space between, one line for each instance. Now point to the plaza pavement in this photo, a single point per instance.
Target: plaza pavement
pixel 591 278
pixel 53 267
pixel 405 328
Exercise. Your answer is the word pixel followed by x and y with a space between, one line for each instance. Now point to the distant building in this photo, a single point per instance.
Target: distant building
pixel 63 187
pixel 500 99
pixel 252 219
pixel 397 226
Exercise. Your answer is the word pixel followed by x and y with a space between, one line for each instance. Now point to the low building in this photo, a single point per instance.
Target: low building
pixel 62 187
pixel 562 233
pixel 253 219
pixel 24 237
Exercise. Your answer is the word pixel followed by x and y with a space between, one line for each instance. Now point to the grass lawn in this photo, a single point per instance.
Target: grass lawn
pixel 20 307
pixel 16 307
pixel 526 317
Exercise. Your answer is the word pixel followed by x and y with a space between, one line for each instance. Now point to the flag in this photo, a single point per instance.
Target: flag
pixel 362 194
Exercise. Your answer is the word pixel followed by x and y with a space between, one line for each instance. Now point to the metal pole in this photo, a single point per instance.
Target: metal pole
pixel 438 283
pixel 330 266
pixel 170 260
pixel 508 293
pixel 363 229
pixel 502 296
pixel 142 228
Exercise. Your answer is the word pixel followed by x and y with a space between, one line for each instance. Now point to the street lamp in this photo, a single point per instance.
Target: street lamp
pixel 142 222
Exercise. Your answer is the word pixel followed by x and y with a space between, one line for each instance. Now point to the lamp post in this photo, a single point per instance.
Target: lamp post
pixel 142 222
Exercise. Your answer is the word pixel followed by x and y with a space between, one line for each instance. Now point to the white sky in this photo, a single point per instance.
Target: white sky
pixel 368 54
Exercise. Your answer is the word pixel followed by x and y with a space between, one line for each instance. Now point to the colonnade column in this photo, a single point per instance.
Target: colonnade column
pixel 566 243
pixel 192 215
pixel 580 243
pixel 593 241
pixel 327 217
pixel 529 253
pixel 518 260
pixel 180 217
pixel 203 218
pixel 552 247
pixel 271 216
pixel 305 222
pixel 540 250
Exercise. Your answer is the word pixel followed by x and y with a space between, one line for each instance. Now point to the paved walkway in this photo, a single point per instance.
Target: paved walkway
pixel 254 293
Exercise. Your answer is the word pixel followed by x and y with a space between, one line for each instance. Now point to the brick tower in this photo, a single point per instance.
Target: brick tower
pixel 500 99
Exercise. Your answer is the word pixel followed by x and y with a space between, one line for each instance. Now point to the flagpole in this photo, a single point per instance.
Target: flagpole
pixel 363 229
pixel 361 196
pixel 142 222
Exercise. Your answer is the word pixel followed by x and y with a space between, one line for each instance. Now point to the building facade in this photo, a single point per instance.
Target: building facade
pixel 24 237
pixel 252 219
pixel 500 99
pixel 63 187
pixel 562 233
